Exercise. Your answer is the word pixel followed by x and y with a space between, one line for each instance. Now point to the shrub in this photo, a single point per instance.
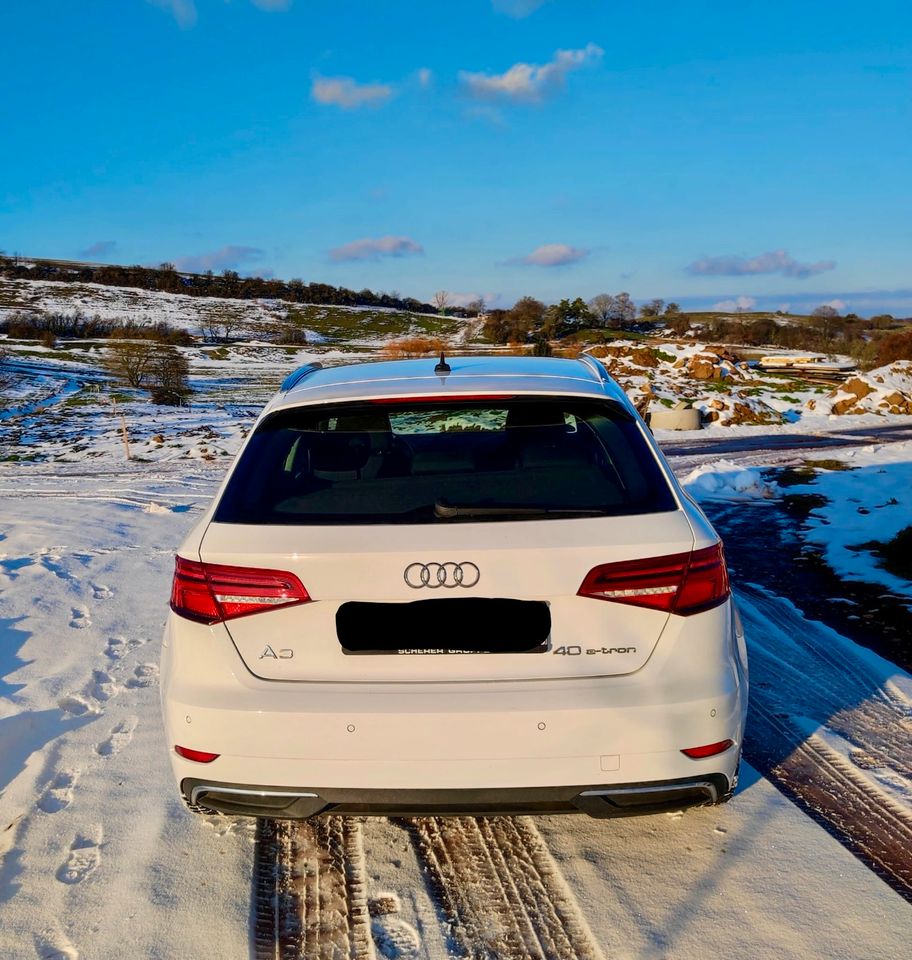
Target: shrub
pixel 129 360
pixel 159 366
pixel 412 347
pixel 895 346
pixel 168 371
pixel 79 326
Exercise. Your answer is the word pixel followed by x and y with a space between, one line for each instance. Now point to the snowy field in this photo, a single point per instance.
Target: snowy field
pixel 99 852
pixel 99 858
pixel 867 501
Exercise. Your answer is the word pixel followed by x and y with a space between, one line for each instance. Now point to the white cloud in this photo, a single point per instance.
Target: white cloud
pixel 518 8
pixel 229 257
pixel 373 248
pixel 836 304
pixel 735 306
pixel 528 82
pixel 774 261
pixel 553 255
pixel 425 76
pixel 347 93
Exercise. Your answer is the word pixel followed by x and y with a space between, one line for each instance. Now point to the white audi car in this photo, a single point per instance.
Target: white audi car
pixel 460 587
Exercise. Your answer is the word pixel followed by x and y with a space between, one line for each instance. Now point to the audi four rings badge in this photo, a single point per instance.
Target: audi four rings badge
pixel 434 575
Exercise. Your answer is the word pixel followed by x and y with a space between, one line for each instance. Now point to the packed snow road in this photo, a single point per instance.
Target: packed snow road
pixel 98 853
pixel 751 439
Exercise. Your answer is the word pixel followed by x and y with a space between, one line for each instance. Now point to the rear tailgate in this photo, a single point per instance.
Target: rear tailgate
pixel 540 563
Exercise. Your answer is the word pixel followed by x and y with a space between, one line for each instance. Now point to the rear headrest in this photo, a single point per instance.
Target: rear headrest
pixel 339 456
pixel 535 415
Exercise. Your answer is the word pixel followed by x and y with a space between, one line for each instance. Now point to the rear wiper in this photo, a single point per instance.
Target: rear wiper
pixel 445 511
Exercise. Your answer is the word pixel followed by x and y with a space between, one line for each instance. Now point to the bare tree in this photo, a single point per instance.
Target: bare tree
pixel 220 324
pixel 145 363
pixel 601 307
pixel 825 318
pixel 441 300
pixel 624 309
pixel 613 311
pixel 130 360
pixel 476 306
pixel 652 309
pixel 168 372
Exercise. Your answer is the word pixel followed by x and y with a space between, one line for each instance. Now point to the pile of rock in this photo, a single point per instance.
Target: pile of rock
pixel 884 390
pixel 625 359
pixel 712 363
pixel 737 410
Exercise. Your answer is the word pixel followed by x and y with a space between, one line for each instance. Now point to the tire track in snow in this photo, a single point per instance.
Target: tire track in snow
pixel 501 890
pixel 875 828
pixel 804 676
pixel 310 897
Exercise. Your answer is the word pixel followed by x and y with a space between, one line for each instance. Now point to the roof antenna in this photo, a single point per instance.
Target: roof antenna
pixel 442 366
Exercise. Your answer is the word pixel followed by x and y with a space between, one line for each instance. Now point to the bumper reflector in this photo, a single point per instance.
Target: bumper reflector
pixel 710 750
pixel 198 756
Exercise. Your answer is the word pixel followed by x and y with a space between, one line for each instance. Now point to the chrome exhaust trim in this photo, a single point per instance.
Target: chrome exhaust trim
pixel 204 788
pixel 706 785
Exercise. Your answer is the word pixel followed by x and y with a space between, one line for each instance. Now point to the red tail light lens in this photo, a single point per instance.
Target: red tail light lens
pixel 213 592
pixel 682 583
pixel 710 750
pixel 198 756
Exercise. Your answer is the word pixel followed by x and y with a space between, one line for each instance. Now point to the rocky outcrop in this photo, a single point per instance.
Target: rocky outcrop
pixel 885 390
pixel 632 353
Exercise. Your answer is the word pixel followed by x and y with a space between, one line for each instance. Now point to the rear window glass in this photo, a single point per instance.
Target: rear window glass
pixel 418 462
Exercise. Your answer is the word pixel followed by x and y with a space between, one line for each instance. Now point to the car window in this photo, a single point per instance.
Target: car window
pixel 459 461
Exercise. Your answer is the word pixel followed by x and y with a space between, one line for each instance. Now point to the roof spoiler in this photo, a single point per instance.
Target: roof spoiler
pixel 597 368
pixel 301 373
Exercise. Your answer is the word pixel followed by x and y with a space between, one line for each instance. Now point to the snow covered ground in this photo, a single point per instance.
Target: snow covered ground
pixel 99 852
pixel 260 318
pixel 862 506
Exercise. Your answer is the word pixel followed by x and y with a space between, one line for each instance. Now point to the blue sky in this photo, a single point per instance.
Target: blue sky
pixel 703 151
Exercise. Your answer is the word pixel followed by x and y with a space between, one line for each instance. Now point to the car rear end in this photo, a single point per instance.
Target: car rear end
pixel 486 597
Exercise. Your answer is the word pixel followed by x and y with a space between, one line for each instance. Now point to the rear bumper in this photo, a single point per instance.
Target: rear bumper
pixel 599 801
pixel 406 743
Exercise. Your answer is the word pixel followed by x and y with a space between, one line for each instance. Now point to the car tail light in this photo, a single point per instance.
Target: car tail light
pixel 213 592
pixel 198 756
pixel 710 750
pixel 682 583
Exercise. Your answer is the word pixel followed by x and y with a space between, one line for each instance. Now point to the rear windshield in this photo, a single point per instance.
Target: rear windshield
pixel 433 462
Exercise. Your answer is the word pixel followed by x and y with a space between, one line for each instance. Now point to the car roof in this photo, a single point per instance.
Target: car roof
pixel 468 375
